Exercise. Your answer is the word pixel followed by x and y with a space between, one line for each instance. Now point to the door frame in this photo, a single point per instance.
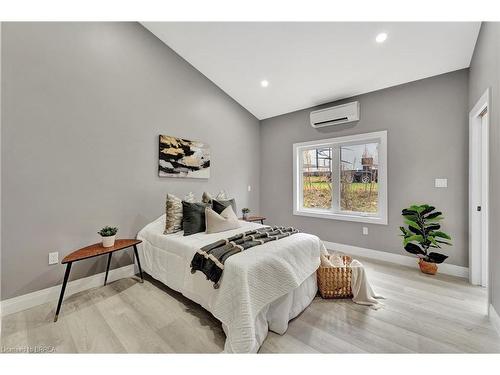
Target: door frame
pixel 479 189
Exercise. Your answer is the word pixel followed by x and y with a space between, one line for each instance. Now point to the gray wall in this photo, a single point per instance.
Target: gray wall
pixel 82 107
pixel 0 173
pixel 427 138
pixel 484 73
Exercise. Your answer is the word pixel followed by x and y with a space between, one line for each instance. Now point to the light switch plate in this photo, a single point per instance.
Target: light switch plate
pixel 365 231
pixel 54 258
pixel 249 188
pixel 441 182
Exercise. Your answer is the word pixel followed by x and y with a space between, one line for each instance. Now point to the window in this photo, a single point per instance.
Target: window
pixel 342 178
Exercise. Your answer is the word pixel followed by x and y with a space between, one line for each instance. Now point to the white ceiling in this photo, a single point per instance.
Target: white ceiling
pixel 308 64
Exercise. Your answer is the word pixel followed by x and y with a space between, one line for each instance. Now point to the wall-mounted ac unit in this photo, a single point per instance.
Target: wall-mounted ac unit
pixel 340 114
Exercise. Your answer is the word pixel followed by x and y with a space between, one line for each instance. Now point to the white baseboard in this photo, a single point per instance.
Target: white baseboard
pixel 494 318
pixel 51 294
pixel 448 269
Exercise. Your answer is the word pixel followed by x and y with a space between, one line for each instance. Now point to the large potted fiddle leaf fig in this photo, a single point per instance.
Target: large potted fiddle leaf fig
pixel 422 234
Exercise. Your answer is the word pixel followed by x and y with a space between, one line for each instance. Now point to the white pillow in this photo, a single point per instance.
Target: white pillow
pixel 222 196
pixel 215 223
pixel 207 197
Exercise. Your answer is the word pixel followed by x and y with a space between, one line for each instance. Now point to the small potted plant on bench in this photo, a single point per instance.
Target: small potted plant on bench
pixel 245 211
pixel 422 233
pixel 108 235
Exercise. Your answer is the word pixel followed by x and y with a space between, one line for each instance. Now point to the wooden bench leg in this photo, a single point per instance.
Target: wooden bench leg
pixel 107 268
pixel 61 296
pixel 138 262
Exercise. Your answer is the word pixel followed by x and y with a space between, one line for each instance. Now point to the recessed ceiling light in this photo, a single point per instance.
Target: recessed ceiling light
pixel 264 83
pixel 381 37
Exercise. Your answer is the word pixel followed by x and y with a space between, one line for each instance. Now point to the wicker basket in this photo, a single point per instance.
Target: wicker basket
pixel 335 282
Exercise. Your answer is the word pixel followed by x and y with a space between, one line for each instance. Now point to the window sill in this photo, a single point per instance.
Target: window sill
pixel 343 217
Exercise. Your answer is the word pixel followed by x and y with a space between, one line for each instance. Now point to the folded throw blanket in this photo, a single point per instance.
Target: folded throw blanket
pixel 210 258
pixel 362 291
pixel 332 260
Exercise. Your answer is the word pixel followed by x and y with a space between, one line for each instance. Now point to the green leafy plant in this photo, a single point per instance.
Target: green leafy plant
pixel 108 231
pixel 245 210
pixel 423 232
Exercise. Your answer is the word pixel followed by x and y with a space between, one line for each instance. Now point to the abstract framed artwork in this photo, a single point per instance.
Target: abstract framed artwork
pixel 180 157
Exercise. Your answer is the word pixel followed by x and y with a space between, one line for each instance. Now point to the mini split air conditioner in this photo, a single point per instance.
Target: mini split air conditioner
pixel 340 114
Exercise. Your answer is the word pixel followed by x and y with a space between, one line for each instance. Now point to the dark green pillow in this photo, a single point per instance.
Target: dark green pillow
pixel 193 217
pixel 219 206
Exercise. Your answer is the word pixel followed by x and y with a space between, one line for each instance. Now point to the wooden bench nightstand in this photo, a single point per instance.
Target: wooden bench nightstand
pixel 254 219
pixel 93 251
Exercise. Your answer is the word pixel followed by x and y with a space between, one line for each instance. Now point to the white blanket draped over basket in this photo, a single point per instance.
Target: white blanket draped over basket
pixel 251 281
pixel 362 290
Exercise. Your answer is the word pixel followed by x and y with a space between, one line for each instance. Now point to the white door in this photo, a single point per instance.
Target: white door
pixel 479 192
pixel 484 198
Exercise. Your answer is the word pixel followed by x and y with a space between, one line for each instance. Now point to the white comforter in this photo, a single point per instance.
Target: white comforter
pixel 251 280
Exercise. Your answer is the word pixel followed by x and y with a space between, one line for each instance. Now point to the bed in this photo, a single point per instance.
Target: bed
pixel 261 289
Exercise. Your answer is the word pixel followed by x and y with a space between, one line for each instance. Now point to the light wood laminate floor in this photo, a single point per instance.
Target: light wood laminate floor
pixel 424 314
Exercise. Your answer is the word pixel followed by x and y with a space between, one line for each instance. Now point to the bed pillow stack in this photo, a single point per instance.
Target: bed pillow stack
pixel 190 216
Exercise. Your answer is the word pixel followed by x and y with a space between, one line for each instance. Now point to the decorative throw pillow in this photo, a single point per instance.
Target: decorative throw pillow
pixel 189 197
pixel 173 209
pixel 221 196
pixel 206 197
pixel 215 223
pixel 193 220
pixel 219 205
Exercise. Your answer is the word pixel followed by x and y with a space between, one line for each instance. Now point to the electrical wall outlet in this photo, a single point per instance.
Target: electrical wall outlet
pixel 441 182
pixel 54 257
pixel 249 188
pixel 365 231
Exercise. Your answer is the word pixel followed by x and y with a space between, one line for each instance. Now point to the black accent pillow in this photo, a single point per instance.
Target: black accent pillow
pixel 193 217
pixel 219 206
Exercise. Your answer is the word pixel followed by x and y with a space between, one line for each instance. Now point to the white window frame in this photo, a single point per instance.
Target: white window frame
pixel 335 213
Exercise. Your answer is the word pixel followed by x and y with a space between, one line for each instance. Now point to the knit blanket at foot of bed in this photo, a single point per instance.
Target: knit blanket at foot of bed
pixel 210 259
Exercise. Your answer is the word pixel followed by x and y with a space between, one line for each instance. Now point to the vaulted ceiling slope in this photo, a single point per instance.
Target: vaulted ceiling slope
pixel 307 64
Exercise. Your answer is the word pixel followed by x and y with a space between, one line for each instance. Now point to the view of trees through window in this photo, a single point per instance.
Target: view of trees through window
pixel 317 178
pixel 358 178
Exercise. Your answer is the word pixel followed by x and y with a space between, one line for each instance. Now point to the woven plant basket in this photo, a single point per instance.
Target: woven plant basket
pixel 335 282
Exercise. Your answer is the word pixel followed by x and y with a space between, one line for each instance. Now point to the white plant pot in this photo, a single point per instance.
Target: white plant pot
pixel 108 241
